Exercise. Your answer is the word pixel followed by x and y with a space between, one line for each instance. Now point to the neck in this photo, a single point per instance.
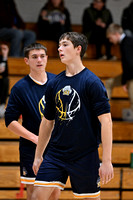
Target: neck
pixel 74 68
pixel 41 77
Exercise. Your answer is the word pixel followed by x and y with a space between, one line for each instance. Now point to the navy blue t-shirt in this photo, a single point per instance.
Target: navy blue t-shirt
pixel 27 98
pixel 75 103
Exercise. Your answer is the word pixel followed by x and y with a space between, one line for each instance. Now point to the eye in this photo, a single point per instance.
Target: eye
pixel 43 56
pixel 34 57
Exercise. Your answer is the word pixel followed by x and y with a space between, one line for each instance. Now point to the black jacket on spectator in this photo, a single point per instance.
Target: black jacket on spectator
pixel 126 47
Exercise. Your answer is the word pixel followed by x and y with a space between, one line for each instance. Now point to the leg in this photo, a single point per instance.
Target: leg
pixel 97 198
pixel 14 36
pixel 29 37
pixel 29 189
pixel 130 93
pixel 108 48
pixel 42 193
pixel 84 176
pixel 111 83
pixel 55 194
pixel 4 91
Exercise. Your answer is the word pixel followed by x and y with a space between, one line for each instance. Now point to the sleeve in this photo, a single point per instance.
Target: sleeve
pixel 49 111
pixel 14 107
pixel 98 97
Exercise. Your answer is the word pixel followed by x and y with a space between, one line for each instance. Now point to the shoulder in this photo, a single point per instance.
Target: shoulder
pixel 128 40
pixel 52 82
pixel 22 83
pixel 50 75
pixel 92 81
pixel 90 76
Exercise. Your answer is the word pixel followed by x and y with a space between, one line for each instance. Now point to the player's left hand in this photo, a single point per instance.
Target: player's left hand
pixel 106 172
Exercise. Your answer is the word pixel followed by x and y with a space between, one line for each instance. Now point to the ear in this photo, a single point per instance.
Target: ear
pixel 26 60
pixel 79 49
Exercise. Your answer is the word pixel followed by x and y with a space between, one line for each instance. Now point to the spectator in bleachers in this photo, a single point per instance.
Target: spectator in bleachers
pixel 54 19
pixel 4 81
pixel 116 35
pixel 12 28
pixel 127 19
pixel 96 19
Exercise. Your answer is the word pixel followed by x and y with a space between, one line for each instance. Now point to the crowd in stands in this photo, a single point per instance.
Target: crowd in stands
pixel 54 19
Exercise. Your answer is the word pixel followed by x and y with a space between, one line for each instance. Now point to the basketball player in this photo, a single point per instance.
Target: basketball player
pixel 77 110
pixel 28 99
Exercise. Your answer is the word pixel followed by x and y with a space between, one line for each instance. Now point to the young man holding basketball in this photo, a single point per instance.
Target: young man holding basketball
pixel 78 113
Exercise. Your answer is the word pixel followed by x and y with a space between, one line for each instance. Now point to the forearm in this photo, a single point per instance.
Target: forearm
pixel 106 137
pixel 18 129
pixel 45 131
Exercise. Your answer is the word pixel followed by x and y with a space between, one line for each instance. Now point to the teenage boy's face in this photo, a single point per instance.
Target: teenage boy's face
pixel 113 38
pixel 67 52
pixel 37 60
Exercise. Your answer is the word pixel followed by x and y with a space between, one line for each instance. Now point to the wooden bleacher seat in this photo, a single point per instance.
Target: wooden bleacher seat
pixel 103 69
pixel 5 133
pixel 127 184
pixel 51 46
pixel 116 107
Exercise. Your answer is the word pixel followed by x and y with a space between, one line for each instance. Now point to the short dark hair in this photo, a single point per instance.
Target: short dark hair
pixel 33 46
pixel 77 39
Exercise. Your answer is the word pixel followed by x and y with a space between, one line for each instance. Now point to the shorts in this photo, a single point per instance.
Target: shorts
pixel 84 174
pixel 26 171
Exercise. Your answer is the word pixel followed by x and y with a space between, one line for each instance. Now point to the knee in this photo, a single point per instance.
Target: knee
pixel 18 34
pixel 34 195
pixel 55 194
pixel 33 36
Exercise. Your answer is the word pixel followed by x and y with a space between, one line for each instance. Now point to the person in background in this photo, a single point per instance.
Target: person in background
pixel 4 81
pixel 27 98
pixel 96 19
pixel 116 35
pixel 54 19
pixel 12 28
pixel 127 19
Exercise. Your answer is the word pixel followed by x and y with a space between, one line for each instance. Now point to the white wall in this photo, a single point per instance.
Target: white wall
pixel 29 9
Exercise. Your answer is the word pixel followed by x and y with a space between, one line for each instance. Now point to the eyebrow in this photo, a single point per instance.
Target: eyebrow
pixel 63 42
pixel 39 54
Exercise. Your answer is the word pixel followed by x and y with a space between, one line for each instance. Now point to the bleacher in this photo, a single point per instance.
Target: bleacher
pixel 121 187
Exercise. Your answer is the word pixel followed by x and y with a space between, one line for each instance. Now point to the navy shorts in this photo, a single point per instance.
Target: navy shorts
pixel 26 172
pixel 84 174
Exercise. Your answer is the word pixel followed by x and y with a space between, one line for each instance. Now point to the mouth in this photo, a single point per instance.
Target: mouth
pixel 61 55
pixel 39 65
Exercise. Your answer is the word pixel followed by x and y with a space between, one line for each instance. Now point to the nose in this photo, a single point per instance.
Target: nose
pixel 59 48
pixel 39 58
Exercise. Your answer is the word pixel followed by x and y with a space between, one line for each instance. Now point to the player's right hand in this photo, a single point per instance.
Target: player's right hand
pixel 36 164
